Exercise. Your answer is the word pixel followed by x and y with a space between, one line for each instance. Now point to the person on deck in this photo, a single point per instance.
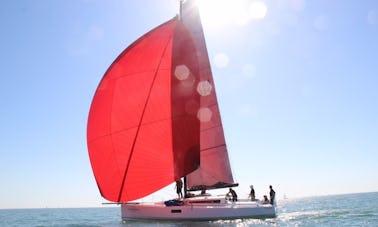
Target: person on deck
pixel 252 194
pixel 233 194
pixel 272 194
pixel 265 200
pixel 179 188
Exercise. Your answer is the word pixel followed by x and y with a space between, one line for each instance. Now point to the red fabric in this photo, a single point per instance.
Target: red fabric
pixel 215 167
pixel 148 125
pixel 139 136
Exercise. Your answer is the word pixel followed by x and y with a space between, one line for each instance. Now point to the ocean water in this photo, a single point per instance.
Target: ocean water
pixel 335 210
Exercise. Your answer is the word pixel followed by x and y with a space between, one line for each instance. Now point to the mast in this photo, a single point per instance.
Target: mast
pixel 180 10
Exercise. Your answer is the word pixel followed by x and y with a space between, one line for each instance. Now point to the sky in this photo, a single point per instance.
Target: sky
pixel 296 82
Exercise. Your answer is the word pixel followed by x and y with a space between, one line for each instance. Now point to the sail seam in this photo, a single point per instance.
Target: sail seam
pixel 134 74
pixel 214 147
pixel 215 126
pixel 147 123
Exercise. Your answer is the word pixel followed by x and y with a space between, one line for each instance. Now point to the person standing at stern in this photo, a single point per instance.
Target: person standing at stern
pixel 179 188
pixel 272 195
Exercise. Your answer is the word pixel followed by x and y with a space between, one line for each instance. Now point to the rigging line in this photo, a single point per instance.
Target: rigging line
pixel 140 122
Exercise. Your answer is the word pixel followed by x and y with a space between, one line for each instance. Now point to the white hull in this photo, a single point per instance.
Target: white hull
pixel 198 209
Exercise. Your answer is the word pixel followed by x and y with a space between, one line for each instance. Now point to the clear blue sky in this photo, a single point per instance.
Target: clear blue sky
pixel 297 87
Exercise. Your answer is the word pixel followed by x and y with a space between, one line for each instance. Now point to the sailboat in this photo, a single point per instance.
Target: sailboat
pixel 154 119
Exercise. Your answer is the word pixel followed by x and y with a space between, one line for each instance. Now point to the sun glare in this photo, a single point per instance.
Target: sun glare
pixel 220 13
pixel 257 10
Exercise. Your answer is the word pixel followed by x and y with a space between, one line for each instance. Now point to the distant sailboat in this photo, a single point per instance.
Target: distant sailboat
pixel 155 119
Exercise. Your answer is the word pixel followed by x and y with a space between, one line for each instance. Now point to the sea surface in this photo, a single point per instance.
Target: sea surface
pixel 334 210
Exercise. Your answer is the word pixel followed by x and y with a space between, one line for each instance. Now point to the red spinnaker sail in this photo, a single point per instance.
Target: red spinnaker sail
pixel 154 117
pixel 143 130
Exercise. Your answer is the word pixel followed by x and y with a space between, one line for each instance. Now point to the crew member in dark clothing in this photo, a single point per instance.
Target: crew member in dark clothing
pixel 272 194
pixel 179 188
pixel 252 194
pixel 233 194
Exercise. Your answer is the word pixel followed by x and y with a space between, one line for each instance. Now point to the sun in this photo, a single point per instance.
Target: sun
pixel 221 13
pixel 257 10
